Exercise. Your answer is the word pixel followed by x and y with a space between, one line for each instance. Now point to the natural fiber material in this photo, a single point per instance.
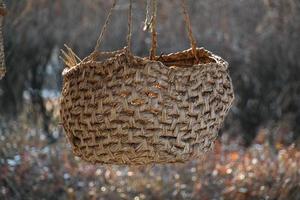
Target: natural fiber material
pixel 117 108
pixel 135 111
pixel 2 57
pixel 153 30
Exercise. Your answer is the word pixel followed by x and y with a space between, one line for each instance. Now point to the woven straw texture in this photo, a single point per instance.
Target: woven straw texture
pixel 124 109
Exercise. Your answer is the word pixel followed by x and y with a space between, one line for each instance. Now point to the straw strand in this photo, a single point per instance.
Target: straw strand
pixel 129 25
pixel 2 56
pixel 153 30
pixel 189 28
pixel 100 38
pixel 147 22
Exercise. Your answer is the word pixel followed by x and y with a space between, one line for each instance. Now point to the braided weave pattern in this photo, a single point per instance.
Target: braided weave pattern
pixel 135 111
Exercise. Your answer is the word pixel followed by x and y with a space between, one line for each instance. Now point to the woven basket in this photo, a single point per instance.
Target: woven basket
pixel 117 108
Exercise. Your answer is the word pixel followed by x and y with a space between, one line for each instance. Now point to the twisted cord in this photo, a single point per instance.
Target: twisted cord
pixel 147 22
pixel 2 55
pixel 129 34
pixel 189 28
pixel 100 38
pixel 153 30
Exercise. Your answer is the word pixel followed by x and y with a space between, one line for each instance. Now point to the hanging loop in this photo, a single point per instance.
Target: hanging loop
pixel 103 30
pixel 3 12
pixel 148 19
pixel 129 34
pixel 149 23
pixel 189 29
pixel 153 30
pixel 100 38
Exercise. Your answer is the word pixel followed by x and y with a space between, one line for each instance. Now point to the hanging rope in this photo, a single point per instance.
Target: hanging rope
pixel 153 30
pixel 129 25
pixel 3 12
pixel 147 23
pixel 100 38
pixel 189 28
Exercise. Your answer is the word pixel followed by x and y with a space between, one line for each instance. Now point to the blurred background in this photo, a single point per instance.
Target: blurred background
pixel 257 154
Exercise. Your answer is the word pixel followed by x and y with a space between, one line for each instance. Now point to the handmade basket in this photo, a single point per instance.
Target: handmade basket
pixel 131 110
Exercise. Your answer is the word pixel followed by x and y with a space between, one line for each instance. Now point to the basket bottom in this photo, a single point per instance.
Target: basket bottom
pixel 141 157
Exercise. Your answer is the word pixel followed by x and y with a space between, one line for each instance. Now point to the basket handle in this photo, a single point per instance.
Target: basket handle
pixel 188 26
pixel 129 34
pixel 103 30
pixel 100 38
pixel 153 48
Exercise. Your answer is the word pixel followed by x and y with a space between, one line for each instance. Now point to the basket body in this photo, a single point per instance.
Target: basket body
pixel 134 111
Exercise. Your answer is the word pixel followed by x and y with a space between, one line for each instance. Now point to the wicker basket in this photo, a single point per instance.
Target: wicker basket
pixel 125 109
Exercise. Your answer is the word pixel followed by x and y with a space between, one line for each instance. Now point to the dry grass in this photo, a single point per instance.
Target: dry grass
pixel 69 58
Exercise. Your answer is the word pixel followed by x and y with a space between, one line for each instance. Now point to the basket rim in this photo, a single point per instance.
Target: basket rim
pixel 160 59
